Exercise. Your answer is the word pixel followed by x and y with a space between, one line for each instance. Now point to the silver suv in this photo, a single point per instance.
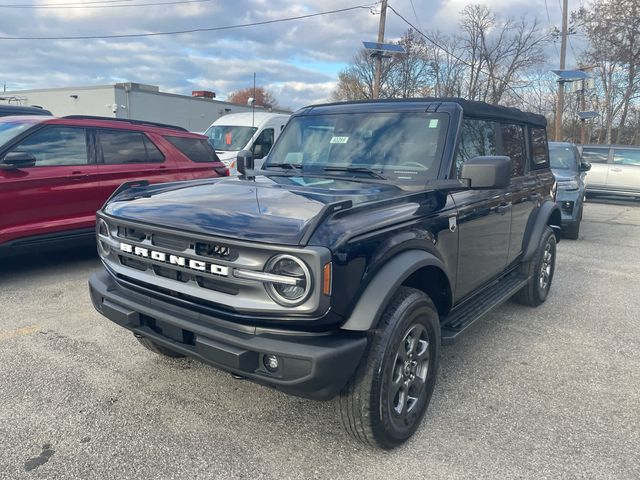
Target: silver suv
pixel 615 169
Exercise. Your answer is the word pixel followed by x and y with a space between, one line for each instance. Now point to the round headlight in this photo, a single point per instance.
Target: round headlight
pixel 102 231
pixel 296 284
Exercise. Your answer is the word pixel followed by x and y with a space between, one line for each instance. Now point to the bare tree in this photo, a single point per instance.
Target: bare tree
pixel 614 49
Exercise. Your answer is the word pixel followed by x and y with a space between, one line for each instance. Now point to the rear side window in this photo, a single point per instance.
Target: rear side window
pixel 595 155
pixel 196 149
pixel 539 148
pixel 477 138
pixel 626 156
pixel 56 146
pixel 121 147
pixel 513 146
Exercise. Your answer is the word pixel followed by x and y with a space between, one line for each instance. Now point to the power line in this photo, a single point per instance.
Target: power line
pixel 111 5
pixel 193 30
pixel 512 89
pixel 416 15
pixel 70 4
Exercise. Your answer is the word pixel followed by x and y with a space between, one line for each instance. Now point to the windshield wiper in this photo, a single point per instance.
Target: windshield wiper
pixel 368 170
pixel 290 166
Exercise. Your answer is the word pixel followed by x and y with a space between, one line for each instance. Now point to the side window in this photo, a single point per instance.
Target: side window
pixel 513 146
pixel 626 156
pixel 121 147
pixel 153 153
pixel 263 143
pixel 196 149
pixel 56 146
pixel 595 154
pixel 539 148
pixel 477 138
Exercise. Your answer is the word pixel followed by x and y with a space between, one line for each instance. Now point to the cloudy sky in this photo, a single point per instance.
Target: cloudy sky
pixel 297 60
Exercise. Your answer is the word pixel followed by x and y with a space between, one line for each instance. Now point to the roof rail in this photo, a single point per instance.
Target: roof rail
pixel 125 120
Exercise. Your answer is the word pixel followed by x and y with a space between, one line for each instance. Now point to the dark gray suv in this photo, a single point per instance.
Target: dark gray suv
pixel 569 170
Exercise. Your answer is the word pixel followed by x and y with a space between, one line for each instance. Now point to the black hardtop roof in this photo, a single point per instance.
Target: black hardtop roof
pixel 17 109
pixel 470 108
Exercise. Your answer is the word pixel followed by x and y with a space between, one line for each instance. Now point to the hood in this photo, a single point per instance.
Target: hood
pixel 273 209
pixel 564 175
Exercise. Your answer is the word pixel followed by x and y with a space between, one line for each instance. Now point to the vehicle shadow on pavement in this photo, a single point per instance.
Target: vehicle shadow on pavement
pixel 34 265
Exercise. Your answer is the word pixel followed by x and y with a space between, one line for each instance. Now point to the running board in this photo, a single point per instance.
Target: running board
pixel 469 312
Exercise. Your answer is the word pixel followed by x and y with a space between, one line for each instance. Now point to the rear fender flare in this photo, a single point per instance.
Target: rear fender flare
pixel 378 293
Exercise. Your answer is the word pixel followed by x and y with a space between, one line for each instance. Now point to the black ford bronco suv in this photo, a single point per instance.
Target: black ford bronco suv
pixel 375 232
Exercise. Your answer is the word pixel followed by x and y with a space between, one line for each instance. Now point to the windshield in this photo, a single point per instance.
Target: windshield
pixel 397 145
pixel 229 138
pixel 563 158
pixel 9 130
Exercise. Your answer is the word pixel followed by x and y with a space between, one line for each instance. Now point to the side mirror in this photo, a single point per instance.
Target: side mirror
pixel 487 172
pixel 18 160
pixel 244 161
pixel 585 167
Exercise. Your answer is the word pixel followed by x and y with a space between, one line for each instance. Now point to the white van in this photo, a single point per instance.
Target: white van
pixel 245 131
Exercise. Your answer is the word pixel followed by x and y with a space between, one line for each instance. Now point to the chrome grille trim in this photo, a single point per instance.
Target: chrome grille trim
pixel 241 290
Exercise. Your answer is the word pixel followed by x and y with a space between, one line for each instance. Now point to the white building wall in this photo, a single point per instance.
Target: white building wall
pixel 96 100
pixel 129 100
pixel 195 114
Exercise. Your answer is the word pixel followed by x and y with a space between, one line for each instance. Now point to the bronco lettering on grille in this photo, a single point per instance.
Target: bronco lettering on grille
pixel 175 260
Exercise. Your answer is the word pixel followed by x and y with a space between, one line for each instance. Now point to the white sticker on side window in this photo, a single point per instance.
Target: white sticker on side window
pixel 339 139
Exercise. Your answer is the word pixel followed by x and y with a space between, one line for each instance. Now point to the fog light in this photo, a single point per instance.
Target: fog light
pixel 270 363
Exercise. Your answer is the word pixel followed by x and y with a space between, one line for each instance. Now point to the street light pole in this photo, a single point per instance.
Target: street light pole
pixel 563 55
pixel 378 71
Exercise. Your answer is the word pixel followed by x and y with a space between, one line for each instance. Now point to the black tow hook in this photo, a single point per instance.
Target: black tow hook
pixel 238 377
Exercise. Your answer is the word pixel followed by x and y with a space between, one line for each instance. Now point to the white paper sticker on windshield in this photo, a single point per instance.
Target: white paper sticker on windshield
pixel 433 123
pixel 339 139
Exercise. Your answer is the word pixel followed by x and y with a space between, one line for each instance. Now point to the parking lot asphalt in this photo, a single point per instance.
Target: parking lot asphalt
pixel 552 392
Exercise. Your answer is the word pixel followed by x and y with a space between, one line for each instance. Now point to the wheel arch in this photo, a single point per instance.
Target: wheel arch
pixel 414 268
pixel 548 215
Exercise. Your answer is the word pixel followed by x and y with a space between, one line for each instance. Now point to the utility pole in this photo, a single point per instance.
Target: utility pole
pixel 563 55
pixel 378 72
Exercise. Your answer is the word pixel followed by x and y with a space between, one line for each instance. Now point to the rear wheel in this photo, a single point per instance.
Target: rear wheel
pixel 540 270
pixel 383 404
pixel 159 349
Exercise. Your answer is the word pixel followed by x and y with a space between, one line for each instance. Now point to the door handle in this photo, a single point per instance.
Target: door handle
pixel 79 175
pixel 162 167
pixel 616 169
pixel 503 208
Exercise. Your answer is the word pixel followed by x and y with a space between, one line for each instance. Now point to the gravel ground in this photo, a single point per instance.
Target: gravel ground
pixel 552 392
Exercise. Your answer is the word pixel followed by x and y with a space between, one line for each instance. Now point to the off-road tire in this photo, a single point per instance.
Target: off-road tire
pixel 534 293
pixel 366 406
pixel 159 349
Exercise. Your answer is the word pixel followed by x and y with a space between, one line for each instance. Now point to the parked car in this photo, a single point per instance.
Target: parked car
pixel 569 170
pixel 615 169
pixel 374 232
pixel 12 110
pixel 255 132
pixel 56 172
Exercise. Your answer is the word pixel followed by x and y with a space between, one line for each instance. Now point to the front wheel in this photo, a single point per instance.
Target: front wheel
pixel 540 270
pixel 383 404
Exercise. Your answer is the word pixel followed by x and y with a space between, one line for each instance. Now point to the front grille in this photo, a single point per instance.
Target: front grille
pixel 168 241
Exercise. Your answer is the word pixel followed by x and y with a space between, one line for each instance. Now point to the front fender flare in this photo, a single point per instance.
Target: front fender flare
pixel 381 288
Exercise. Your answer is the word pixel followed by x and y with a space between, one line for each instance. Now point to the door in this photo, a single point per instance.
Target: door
pixel 484 216
pixel 523 189
pixel 624 172
pixel 598 157
pixel 262 145
pixel 127 155
pixel 58 193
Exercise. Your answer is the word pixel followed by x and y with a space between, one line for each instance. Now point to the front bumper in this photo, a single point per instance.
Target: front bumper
pixel 310 365
pixel 570 203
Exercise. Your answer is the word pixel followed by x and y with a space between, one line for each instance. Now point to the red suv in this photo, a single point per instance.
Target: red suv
pixel 56 172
